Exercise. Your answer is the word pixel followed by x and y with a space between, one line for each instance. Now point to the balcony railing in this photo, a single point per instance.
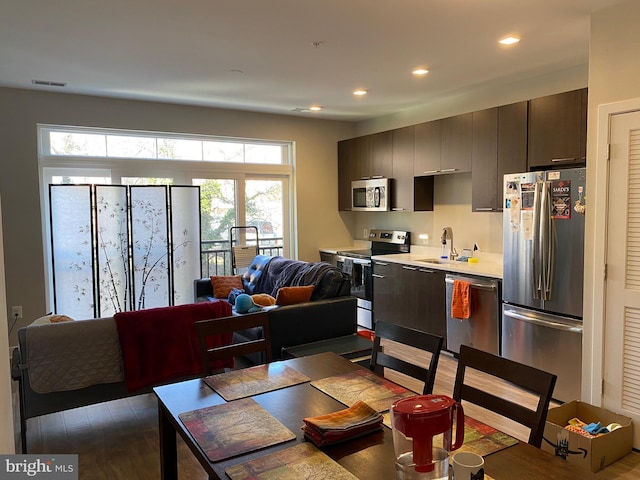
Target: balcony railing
pixel 215 255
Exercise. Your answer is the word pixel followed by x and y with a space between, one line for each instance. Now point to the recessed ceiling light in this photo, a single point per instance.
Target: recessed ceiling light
pixel 509 40
pixel 360 91
pixel 420 71
pixel 315 108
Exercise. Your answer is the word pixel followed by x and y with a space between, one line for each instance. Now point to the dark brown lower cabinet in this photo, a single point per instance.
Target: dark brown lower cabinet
pixel 410 296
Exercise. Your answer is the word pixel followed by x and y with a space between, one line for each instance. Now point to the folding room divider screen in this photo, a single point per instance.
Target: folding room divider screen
pixel 117 247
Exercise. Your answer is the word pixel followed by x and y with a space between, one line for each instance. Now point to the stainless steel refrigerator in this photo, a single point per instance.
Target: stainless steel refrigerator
pixel 543 273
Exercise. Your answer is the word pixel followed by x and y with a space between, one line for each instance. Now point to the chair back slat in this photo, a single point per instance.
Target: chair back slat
pixel 407 336
pixel 218 326
pixel 533 380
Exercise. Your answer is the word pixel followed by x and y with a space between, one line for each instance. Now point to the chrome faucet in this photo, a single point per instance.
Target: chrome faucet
pixel 447 234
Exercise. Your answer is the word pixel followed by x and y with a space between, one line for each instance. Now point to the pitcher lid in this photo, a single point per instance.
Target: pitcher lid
pixel 422 404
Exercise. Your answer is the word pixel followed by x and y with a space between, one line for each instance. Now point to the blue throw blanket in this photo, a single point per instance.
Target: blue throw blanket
pixel 284 272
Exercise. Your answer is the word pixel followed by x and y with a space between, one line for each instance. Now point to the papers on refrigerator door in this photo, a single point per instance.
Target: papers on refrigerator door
pixel 513 204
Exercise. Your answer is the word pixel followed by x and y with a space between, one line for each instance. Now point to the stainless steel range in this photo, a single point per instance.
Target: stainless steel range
pixel 357 263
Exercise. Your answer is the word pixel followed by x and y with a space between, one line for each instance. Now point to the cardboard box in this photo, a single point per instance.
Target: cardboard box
pixel 590 453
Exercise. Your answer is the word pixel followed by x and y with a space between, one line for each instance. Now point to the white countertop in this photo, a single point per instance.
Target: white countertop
pixel 489 264
pixel 358 245
pixel 486 266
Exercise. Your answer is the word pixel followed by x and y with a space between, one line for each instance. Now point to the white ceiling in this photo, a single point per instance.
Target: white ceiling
pixel 259 55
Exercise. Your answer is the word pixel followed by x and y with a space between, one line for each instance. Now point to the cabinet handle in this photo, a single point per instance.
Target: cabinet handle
pixel 398 209
pixel 568 159
pixel 484 209
pixel 449 170
pixel 428 172
pixel 413 269
pixel 375 275
pixel 382 264
pixel 426 271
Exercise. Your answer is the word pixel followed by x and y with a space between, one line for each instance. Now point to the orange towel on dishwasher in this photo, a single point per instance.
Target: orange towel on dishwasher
pixel 461 300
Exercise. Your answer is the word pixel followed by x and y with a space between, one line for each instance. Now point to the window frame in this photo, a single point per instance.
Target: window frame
pixel 182 172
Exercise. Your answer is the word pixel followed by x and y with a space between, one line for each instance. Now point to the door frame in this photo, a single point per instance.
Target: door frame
pixel 596 253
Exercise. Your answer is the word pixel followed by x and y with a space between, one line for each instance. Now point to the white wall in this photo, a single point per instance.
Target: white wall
pixel 483 96
pixel 452 198
pixel 614 70
pixel 7 442
pixel 316 170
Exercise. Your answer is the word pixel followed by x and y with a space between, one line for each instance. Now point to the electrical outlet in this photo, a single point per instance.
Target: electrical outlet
pixel 365 233
pixel 16 311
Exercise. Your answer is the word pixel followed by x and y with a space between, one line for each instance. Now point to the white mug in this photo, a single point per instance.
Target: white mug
pixel 468 466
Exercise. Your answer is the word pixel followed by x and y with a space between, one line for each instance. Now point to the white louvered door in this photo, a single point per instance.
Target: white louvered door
pixel 622 322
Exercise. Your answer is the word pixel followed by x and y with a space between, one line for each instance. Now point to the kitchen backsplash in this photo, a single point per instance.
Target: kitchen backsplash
pixel 452 209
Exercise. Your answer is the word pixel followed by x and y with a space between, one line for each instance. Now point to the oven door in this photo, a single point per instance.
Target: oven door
pixel 360 271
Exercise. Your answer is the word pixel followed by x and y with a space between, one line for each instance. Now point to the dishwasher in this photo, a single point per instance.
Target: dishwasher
pixel 482 329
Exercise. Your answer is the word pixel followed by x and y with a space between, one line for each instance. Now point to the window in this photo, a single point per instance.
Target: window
pixel 241 182
pixel 65 141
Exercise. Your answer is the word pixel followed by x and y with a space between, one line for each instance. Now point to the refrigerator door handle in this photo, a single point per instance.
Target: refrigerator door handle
pixel 542 323
pixel 537 243
pixel 547 241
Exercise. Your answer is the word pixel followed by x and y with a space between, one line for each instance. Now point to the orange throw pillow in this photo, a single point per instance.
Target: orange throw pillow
pixel 293 295
pixel 222 285
pixel 263 299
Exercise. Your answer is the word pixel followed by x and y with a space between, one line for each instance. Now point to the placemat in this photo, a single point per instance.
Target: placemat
pixel 482 439
pixel 302 462
pixel 233 428
pixel 364 385
pixel 254 380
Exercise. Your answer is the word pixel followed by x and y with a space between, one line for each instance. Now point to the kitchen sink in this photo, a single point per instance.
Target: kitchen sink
pixel 440 261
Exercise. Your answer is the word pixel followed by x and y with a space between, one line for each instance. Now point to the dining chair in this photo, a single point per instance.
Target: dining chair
pixel 535 381
pixel 218 326
pixel 381 358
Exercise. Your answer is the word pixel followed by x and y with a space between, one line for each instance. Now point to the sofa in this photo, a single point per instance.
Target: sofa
pixel 71 364
pixel 330 312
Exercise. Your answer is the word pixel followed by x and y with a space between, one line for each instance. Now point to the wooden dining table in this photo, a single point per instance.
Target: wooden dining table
pixel 368 457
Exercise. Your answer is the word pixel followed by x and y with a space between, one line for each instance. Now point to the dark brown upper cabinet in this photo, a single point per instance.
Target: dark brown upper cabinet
pixel 484 162
pixel 444 146
pixel 512 142
pixel 359 158
pixel 499 147
pixel 457 137
pixel 558 130
pixel 382 155
pixel 402 178
pixel 428 146
pixel 408 193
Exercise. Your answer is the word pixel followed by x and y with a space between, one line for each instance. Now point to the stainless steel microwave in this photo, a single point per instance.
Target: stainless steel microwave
pixel 370 195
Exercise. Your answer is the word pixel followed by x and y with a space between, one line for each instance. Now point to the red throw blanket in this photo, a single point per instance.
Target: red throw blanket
pixel 161 344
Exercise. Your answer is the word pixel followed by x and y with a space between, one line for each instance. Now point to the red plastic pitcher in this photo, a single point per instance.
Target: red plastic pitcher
pixel 416 421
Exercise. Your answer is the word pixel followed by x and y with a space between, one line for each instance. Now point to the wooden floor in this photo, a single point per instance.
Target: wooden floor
pixel 118 440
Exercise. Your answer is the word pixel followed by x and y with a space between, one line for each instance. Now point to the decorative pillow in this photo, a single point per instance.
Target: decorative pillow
pixel 293 295
pixel 263 299
pixel 222 285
